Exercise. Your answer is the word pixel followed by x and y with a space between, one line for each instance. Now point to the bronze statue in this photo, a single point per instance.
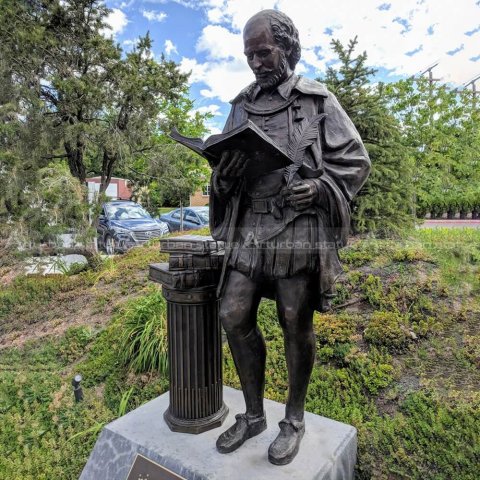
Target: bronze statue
pixel 282 228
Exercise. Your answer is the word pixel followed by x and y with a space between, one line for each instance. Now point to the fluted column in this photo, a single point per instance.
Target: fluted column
pixel 194 339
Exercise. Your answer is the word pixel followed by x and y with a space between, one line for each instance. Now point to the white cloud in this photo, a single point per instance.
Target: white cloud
pixel 194 4
pixel 129 43
pixel 127 4
pixel 213 109
pixel 386 29
pixel 117 21
pixel 197 71
pixel 153 16
pixel 236 13
pixel 170 47
pixel 219 43
pixel 223 79
pixel 301 68
pixel 207 93
pixel 312 59
pixel 212 128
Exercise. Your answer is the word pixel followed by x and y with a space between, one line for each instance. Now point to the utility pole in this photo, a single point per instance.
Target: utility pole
pixel 475 92
pixel 429 70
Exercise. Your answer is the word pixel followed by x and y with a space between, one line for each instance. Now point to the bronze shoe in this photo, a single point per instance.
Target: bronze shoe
pixel 285 447
pixel 244 428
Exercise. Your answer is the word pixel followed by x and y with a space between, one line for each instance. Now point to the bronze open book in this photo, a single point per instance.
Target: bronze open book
pixel 264 155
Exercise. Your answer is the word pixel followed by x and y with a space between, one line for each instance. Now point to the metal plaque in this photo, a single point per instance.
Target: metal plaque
pixel 145 469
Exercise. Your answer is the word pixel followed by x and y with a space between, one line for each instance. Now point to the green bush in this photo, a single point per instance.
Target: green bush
pixel 374 368
pixel 102 361
pixel 429 439
pixel 26 291
pixel 331 328
pixel 76 268
pixel 389 329
pixel 342 294
pixel 411 253
pixel 359 253
pixel 335 334
pixel 416 409
pixel 471 349
pixel 72 346
pixel 382 252
pixel 373 290
pixel 38 415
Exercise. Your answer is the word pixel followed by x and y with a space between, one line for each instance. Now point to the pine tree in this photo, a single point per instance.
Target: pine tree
pixel 385 203
pixel 70 96
pixel 100 103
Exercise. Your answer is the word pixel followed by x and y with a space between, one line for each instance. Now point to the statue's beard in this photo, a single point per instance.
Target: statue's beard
pixel 271 79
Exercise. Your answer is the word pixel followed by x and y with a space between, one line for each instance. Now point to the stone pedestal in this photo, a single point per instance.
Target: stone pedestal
pixel 327 452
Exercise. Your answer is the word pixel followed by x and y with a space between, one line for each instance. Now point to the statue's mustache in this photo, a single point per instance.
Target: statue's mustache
pixel 263 72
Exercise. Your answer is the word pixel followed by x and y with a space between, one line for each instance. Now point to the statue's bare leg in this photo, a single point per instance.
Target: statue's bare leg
pixel 238 314
pixel 296 318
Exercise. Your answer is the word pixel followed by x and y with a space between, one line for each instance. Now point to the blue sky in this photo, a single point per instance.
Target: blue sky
pixel 401 37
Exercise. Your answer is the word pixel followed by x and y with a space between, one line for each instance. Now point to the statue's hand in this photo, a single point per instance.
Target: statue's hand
pixel 302 194
pixel 232 165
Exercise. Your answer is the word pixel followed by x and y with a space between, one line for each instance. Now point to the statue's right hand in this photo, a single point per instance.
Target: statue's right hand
pixel 232 164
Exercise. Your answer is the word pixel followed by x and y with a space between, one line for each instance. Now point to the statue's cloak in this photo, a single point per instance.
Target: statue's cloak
pixel 338 163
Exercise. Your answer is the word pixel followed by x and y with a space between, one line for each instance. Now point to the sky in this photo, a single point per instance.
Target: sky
pixel 401 37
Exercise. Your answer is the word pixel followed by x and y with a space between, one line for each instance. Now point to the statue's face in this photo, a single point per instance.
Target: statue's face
pixel 265 57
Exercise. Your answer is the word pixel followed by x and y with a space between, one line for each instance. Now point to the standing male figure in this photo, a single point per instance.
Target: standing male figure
pixel 282 228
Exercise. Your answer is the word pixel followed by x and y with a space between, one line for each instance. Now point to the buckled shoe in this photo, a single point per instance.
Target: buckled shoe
pixel 244 428
pixel 285 447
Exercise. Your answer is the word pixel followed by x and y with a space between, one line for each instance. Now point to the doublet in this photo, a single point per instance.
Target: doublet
pixel 270 238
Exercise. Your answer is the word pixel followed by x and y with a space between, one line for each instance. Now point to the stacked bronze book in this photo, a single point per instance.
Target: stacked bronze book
pixel 195 261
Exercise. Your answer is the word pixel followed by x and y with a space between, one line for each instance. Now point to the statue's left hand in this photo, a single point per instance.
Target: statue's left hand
pixel 302 194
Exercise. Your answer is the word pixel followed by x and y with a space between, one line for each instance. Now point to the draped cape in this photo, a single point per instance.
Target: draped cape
pixel 337 161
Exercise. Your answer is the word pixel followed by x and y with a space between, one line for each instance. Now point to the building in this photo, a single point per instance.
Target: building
pixel 201 197
pixel 118 189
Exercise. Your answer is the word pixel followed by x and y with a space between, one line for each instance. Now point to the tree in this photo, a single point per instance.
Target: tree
pixel 385 203
pixel 167 173
pixel 441 128
pixel 99 101
pixel 77 100
pixel 23 149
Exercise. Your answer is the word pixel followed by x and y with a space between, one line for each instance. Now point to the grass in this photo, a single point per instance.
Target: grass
pixel 34 300
pixel 457 253
pixel 398 358
pixel 163 210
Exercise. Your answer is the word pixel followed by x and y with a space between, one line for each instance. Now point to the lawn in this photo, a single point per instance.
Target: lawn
pixel 398 358
pixel 163 210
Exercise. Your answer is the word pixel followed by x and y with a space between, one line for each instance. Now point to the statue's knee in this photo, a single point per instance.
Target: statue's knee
pixel 296 321
pixel 289 318
pixel 233 322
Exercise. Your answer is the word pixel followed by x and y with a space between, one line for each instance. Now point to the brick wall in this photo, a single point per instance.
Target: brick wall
pixel 201 197
pixel 198 199
pixel 123 190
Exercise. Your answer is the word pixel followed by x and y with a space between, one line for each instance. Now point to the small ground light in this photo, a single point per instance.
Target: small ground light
pixel 77 389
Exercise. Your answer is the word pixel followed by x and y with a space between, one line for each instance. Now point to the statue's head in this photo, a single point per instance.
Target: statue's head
pixel 272 47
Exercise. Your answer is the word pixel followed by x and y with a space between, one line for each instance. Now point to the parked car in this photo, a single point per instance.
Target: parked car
pixel 193 218
pixel 125 224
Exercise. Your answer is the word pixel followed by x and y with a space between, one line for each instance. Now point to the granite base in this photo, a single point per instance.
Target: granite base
pixel 327 452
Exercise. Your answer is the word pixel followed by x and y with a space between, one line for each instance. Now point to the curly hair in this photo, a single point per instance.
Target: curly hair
pixel 284 32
